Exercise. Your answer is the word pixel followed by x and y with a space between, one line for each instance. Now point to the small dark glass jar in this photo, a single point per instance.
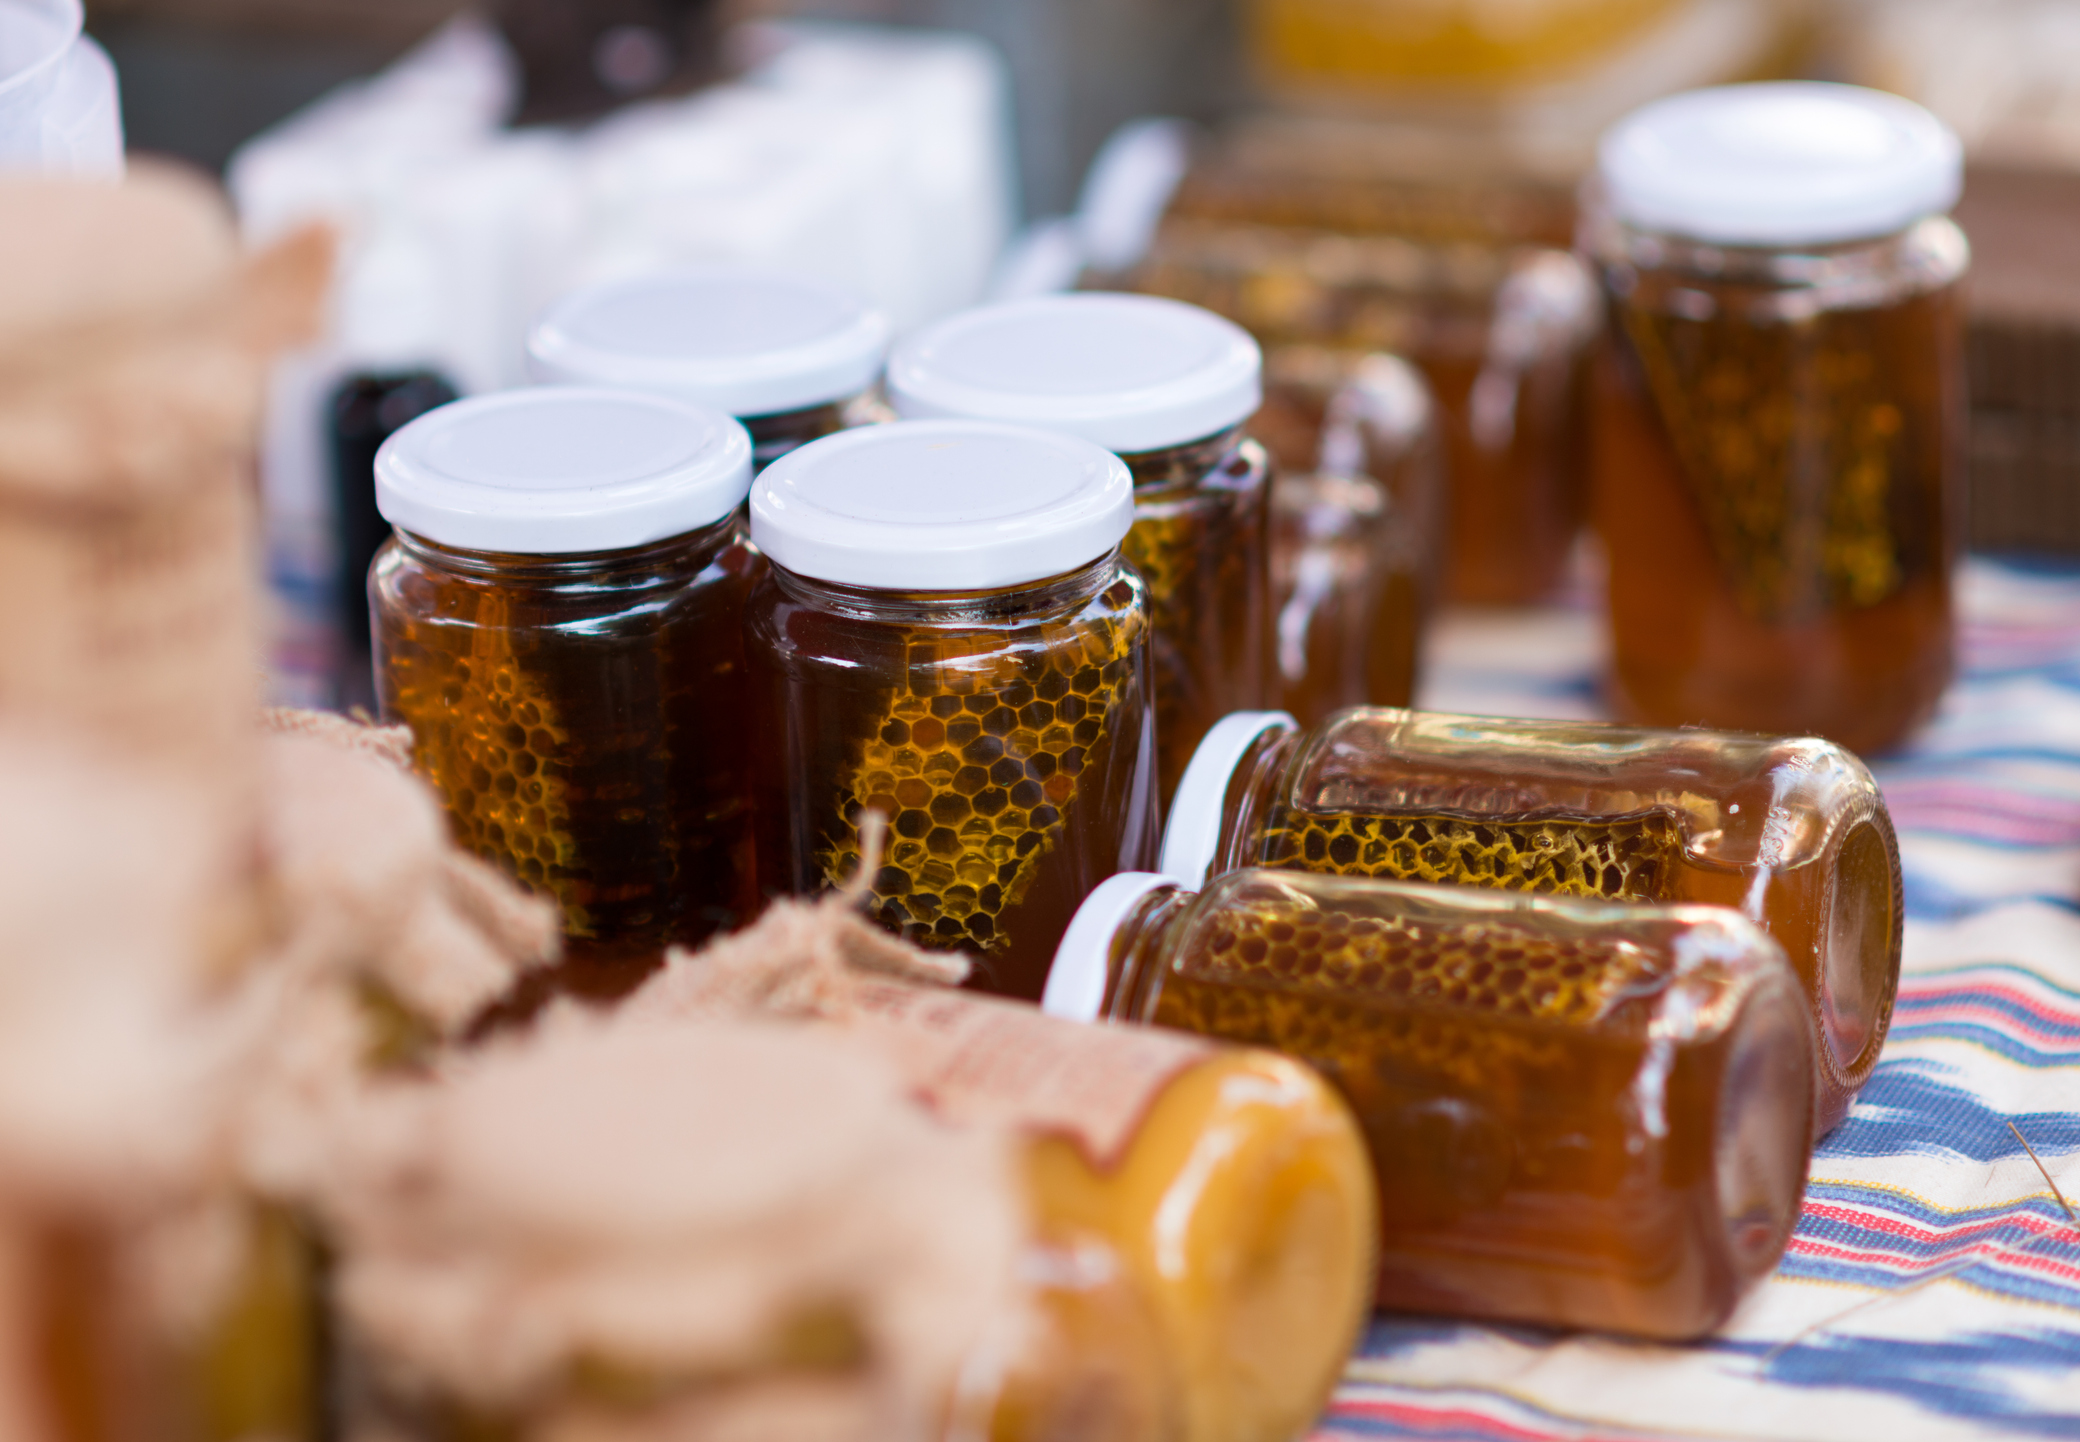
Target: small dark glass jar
pixel 1580 1115
pixel 559 620
pixel 1790 831
pixel 1780 414
pixel 789 356
pixel 1169 388
pixel 946 635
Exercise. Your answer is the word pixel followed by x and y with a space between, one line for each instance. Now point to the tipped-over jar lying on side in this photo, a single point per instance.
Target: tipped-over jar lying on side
pixel 1791 831
pixel 1579 1114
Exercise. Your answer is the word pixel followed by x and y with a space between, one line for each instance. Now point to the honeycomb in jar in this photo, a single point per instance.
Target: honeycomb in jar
pixel 1625 858
pixel 485 732
pixel 1351 992
pixel 1787 440
pixel 975 762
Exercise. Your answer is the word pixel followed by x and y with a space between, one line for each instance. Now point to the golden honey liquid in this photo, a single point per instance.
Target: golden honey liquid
pixel 1776 491
pixel 1201 540
pixel 1518 494
pixel 1537 1160
pixel 581 719
pixel 1010 752
pixel 1243 1209
pixel 106 1374
pixel 1462 42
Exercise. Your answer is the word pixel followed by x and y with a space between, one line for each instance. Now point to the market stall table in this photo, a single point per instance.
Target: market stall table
pixel 1932 1289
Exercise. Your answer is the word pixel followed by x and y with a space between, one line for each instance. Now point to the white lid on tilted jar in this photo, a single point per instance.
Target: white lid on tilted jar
pixel 558 470
pixel 941 506
pixel 748 342
pixel 1130 373
pixel 1783 163
pixel 1082 970
pixel 1192 830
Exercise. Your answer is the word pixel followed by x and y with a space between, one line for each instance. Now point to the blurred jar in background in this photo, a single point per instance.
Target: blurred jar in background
pixel 1459 42
pixel 789 356
pixel 1355 522
pixel 1780 419
pixel 1500 330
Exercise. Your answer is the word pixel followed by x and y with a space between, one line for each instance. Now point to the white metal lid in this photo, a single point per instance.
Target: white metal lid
pixel 553 470
pixel 1083 962
pixel 941 506
pixel 1126 372
pixel 749 342
pixel 1193 828
pixel 1783 163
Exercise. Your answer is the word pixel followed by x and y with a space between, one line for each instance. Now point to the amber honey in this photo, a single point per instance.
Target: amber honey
pixel 1005 737
pixel 1201 541
pixel 1776 486
pixel 1355 528
pixel 773 436
pixel 574 714
pixel 105 1368
pixel 1791 832
pixel 1580 1115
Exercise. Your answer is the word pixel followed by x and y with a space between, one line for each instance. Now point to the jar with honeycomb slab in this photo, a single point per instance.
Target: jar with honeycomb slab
pixel 1579 1114
pixel 1779 418
pixel 946 634
pixel 558 621
pixel 1791 831
pixel 1355 518
pixel 789 356
pixel 1169 388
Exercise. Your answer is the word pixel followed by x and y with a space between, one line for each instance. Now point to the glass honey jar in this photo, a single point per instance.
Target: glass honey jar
pixel 1168 387
pixel 559 620
pixel 1779 417
pixel 1792 832
pixel 1355 527
pixel 791 357
pixel 1579 1114
pixel 946 634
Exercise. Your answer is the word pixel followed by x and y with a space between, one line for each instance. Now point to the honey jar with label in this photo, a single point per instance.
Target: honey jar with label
pixel 1790 831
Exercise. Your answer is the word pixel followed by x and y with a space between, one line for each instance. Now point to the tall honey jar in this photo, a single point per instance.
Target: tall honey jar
pixel 1580 1115
pixel 1779 416
pixel 557 619
pixel 791 357
pixel 947 634
pixel 1791 831
pixel 1170 388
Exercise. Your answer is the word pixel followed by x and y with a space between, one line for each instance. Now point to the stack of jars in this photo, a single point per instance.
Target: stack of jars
pixel 675 630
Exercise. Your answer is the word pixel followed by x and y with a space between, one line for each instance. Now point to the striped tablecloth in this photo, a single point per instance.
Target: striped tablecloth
pixel 1932 1289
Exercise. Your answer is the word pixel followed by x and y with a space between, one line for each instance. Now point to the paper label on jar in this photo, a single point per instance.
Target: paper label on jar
pixel 972 1058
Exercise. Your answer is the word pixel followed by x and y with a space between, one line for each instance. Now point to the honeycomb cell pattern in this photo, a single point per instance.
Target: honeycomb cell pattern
pixel 1345 990
pixel 487 736
pixel 1627 858
pixel 1746 406
pixel 975 767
